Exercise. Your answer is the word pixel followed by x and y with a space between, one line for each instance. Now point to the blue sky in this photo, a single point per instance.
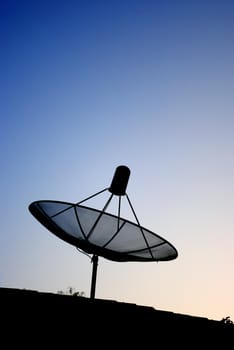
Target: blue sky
pixel 89 85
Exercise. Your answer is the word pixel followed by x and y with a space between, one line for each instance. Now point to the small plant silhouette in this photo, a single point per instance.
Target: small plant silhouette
pixel 227 320
pixel 71 291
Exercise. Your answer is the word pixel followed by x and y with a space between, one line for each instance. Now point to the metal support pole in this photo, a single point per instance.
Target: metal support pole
pixel 94 276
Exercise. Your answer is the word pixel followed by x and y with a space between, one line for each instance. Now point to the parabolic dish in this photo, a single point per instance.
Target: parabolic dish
pixel 100 233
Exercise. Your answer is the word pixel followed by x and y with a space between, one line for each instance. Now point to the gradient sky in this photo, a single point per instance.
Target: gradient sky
pixel 90 85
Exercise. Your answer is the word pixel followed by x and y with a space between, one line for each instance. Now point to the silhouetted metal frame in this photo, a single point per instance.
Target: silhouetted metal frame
pixel 90 248
pixel 38 212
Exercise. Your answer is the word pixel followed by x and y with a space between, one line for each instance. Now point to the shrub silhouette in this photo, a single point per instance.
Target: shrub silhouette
pixel 71 291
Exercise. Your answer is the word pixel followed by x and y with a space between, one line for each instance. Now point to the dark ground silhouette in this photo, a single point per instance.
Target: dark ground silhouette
pixel 35 319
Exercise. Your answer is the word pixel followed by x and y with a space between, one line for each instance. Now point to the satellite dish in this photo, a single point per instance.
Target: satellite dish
pixel 100 233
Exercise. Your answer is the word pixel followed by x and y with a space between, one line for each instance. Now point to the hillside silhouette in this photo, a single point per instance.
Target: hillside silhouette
pixel 30 317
